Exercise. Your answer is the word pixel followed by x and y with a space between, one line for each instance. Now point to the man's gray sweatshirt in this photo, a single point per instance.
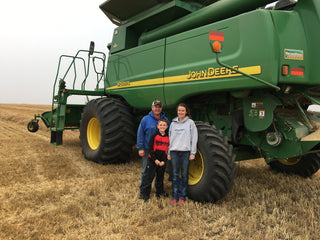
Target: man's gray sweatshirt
pixel 183 136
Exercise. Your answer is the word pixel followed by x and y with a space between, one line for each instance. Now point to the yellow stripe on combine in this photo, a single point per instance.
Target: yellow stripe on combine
pixel 192 76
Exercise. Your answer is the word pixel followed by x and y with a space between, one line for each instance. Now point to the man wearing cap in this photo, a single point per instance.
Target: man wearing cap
pixel 147 127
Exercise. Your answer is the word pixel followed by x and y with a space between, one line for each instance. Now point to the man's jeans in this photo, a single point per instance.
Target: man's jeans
pixel 180 161
pixel 143 173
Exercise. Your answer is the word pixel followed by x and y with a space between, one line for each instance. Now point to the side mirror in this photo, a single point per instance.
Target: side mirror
pixel 91 49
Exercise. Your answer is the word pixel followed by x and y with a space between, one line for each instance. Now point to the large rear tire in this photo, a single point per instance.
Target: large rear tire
pixel 212 173
pixel 304 166
pixel 107 131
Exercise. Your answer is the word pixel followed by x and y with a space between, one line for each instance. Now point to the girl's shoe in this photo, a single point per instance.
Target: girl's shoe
pixel 173 202
pixel 181 201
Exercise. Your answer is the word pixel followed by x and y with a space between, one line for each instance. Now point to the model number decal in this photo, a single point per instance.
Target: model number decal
pixel 123 84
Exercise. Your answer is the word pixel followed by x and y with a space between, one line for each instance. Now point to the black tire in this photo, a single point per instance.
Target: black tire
pixel 107 131
pixel 304 166
pixel 212 173
pixel 33 126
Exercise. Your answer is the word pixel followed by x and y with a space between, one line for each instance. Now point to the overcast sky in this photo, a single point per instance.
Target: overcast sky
pixel 34 33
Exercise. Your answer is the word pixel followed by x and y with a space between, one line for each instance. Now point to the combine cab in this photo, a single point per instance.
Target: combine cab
pixel 248 72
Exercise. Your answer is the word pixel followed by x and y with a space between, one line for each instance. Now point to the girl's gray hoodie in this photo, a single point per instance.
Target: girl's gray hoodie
pixel 183 136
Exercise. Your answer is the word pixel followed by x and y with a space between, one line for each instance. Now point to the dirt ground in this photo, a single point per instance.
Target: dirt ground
pixel 50 192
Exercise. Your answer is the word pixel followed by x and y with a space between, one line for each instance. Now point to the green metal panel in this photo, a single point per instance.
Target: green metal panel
pixel 249 43
pixel 258 111
pixel 126 36
pixel 293 51
pixel 217 11
pixel 137 74
pixel 310 17
pixel 73 115
pixel 299 37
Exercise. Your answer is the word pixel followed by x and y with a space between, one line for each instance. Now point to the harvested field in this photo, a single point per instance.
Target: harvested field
pixel 49 192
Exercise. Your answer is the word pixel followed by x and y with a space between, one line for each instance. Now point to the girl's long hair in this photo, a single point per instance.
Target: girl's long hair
pixel 186 107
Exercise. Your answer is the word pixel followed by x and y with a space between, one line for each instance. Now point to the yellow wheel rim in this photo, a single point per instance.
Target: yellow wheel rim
pixel 290 161
pixel 93 133
pixel 196 169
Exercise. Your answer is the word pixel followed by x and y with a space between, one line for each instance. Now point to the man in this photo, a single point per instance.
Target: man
pixel 147 127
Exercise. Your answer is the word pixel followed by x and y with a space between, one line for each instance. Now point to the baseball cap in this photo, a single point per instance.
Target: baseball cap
pixel 156 102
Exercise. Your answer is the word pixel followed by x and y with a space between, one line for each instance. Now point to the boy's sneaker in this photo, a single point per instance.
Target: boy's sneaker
pixel 173 202
pixel 181 201
pixel 141 195
pixel 146 198
pixel 163 194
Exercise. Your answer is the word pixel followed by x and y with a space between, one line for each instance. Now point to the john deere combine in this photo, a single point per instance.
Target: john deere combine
pixel 247 71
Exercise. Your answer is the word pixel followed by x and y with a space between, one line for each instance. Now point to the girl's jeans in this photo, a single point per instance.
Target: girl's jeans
pixel 180 161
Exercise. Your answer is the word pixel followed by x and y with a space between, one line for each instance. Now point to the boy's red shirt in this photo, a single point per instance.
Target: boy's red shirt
pixel 158 146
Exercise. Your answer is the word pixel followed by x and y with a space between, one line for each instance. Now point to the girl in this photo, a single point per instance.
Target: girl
pixel 183 137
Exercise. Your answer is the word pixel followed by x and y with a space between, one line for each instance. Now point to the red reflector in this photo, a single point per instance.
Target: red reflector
pixel 216 36
pixel 297 71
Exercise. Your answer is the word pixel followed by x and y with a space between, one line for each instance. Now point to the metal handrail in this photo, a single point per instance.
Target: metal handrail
pixel 86 68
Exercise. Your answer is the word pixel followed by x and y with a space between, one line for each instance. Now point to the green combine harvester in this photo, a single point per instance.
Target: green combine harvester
pixel 247 70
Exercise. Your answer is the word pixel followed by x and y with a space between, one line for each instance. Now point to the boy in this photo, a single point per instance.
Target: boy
pixel 156 165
